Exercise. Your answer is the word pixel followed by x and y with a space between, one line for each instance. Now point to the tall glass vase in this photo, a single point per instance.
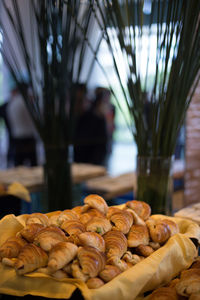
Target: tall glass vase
pixel 57 174
pixel 155 183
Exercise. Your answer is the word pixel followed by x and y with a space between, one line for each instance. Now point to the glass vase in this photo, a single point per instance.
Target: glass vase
pixel 155 183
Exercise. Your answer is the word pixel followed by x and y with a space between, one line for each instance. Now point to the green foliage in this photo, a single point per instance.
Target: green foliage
pixel 157 103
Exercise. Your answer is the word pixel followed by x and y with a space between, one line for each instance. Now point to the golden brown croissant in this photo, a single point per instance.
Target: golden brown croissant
pixel 30 258
pixel 95 201
pixel 159 231
pixel 53 219
pixel 164 293
pixel 73 227
pixel 77 272
pixel 77 210
pixel 65 215
pixel 131 258
pixel 11 247
pixel 119 263
pixel 91 213
pixel 30 231
pixel 91 261
pixel 10 262
pixel 38 218
pixel 136 219
pixel 138 234
pixel 189 282
pixel 49 237
pixel 60 255
pixel 116 243
pixel 196 263
pixel 172 226
pixel 154 245
pixel 109 273
pixel 144 250
pixel 112 210
pixel 92 239
pixel 122 221
pixel 99 225
pixel 94 283
pixel 194 296
pixel 142 209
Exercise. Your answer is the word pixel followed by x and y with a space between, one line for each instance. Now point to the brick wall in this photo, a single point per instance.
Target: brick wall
pixel 192 151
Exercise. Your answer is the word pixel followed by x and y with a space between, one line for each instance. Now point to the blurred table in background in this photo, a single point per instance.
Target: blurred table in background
pixel 32 177
pixel 191 212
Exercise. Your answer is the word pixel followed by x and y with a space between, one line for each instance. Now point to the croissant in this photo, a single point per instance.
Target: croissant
pixel 119 263
pixel 164 293
pixel 11 247
pixel 195 296
pixel 136 219
pixel 172 226
pixel 38 218
pixel 93 212
pixel 144 250
pixel 49 237
pixel 77 272
pixel 73 227
pixel 30 258
pixel 122 221
pixel 138 234
pixel 91 261
pixel 66 215
pixel 109 273
pixel 92 239
pixel 159 231
pixel 10 262
pixel 196 263
pixel 95 201
pixel 131 258
pixel 142 209
pixel 99 225
pixel 94 283
pixel 60 255
pixel 77 210
pixel 189 282
pixel 30 231
pixel 116 243
pixel 53 219
pixel 112 210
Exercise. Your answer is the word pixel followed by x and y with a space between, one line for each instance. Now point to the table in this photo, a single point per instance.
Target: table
pixel 191 212
pixel 32 177
pixel 114 186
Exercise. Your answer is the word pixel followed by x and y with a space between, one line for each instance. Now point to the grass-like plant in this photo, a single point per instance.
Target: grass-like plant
pixel 158 99
pixel 48 42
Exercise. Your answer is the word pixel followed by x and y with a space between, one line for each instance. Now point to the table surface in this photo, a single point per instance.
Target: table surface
pixel 32 177
pixel 191 212
pixel 114 186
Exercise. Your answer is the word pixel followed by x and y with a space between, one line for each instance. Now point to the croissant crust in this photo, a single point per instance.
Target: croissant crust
pixel 116 243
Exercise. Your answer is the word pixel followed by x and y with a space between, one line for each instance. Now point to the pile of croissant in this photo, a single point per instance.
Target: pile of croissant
pixel 186 286
pixel 93 242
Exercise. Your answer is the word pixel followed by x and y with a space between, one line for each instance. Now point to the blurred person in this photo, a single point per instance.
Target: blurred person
pixel 21 131
pixel 91 133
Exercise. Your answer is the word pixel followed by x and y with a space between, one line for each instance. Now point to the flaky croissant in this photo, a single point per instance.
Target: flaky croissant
pixel 99 225
pixel 73 227
pixel 116 243
pixel 49 237
pixel 91 261
pixel 11 247
pixel 60 255
pixel 53 219
pixel 65 215
pixel 164 293
pixel 94 283
pixel 189 282
pixel 122 221
pixel 91 213
pixel 95 201
pixel 38 218
pixel 30 231
pixel 144 250
pixel 109 273
pixel 112 210
pixel 131 258
pixel 138 234
pixel 30 258
pixel 159 230
pixel 77 272
pixel 172 226
pixel 142 209
pixel 92 239
pixel 121 264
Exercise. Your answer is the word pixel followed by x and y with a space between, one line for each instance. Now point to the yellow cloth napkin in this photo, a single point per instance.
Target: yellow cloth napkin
pixel 159 268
